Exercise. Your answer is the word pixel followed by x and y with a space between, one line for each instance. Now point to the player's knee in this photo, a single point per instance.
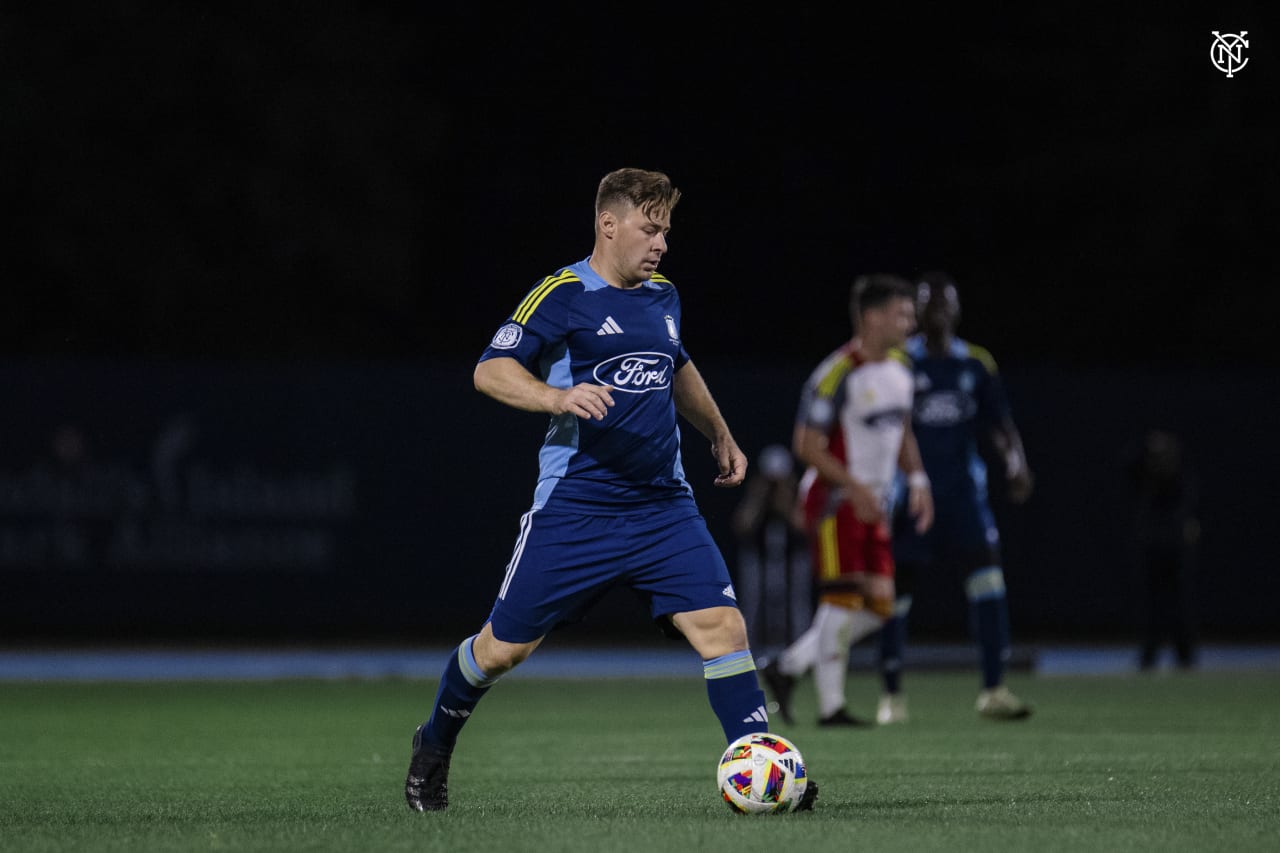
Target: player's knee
pixel 984 583
pixel 714 631
pixel 882 607
pixel 496 657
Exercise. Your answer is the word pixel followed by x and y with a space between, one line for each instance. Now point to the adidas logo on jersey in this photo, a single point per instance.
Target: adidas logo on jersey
pixel 610 327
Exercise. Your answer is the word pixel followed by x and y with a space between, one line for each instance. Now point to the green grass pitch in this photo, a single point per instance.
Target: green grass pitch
pixel 1179 762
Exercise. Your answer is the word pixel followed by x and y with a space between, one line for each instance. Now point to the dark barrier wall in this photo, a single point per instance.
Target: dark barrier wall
pixel 380 502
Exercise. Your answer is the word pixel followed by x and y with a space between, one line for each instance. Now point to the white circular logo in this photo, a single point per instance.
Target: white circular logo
pixel 1227 52
pixel 508 337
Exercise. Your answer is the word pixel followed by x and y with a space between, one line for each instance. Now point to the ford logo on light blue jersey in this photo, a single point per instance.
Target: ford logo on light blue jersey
pixel 636 372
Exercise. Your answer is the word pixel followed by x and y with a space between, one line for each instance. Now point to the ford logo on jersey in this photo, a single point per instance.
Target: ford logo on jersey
pixel 636 372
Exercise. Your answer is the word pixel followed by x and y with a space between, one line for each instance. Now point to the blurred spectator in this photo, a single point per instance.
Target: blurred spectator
pixel 1166 531
pixel 772 571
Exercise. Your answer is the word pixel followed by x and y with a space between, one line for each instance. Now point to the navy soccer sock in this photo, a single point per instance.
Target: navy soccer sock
pixel 735 694
pixel 989 622
pixel 893 641
pixel 462 684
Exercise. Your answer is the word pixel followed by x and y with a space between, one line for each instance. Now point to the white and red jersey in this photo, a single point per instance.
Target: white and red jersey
pixel 862 406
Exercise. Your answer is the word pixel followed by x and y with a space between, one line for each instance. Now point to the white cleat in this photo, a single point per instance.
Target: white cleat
pixel 998 703
pixel 892 709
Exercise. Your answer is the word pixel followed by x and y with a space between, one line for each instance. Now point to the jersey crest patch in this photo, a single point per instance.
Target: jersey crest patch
pixel 508 337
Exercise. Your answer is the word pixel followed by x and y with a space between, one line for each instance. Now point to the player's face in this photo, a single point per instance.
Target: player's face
pixel 939 309
pixel 640 242
pixel 891 323
pixel 900 320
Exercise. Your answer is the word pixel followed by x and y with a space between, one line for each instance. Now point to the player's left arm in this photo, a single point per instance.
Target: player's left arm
pixel 993 407
pixel 919 492
pixel 1008 443
pixel 696 405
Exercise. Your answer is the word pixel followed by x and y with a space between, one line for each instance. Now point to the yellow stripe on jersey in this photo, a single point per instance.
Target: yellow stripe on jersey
pixel 661 279
pixel 982 355
pixel 539 293
pixel 827 387
pixel 900 355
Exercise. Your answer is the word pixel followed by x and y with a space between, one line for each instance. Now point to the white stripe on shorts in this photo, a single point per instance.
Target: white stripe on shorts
pixel 526 523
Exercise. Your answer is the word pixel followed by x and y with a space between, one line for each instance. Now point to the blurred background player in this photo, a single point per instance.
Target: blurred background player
pixel 961 417
pixel 853 431
pixel 1166 531
pixel 772 561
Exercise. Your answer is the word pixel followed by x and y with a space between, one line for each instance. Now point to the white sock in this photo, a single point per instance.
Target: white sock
pixel 863 623
pixel 833 659
pixel 799 657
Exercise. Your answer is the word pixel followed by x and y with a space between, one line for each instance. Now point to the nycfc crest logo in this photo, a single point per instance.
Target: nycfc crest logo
pixel 508 337
pixel 1227 52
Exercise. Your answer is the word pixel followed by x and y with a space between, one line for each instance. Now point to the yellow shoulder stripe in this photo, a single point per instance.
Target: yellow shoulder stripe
pixel 539 293
pixel 984 356
pixel 839 370
pixel 660 278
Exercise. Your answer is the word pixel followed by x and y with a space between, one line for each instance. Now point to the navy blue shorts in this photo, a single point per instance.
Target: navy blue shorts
pixel 563 563
pixel 963 535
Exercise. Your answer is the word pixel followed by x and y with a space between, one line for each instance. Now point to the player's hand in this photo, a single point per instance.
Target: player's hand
pixel 591 402
pixel 731 461
pixel 920 505
pixel 1020 486
pixel 866 506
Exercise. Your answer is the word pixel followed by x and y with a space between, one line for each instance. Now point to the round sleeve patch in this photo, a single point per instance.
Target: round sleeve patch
pixel 508 337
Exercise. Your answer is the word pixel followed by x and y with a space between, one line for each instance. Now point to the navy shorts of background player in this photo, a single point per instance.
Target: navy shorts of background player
pixel 958 398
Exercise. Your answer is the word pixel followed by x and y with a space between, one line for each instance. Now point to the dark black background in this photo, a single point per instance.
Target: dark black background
pixel 321 181
pixel 354 197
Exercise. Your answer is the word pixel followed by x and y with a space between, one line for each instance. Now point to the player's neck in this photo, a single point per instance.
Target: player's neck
pixel 599 262
pixel 939 344
pixel 873 349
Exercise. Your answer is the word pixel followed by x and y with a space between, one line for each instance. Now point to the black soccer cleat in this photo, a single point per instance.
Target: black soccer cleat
pixel 808 797
pixel 426 788
pixel 781 686
pixel 843 718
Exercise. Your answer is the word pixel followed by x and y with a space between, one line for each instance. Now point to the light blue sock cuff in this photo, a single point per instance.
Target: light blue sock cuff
pixel 985 584
pixel 734 663
pixel 470 669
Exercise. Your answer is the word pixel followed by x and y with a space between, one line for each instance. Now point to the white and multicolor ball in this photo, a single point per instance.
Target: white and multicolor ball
pixel 762 773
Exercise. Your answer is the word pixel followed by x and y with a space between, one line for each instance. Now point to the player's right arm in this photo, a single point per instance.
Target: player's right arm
pixel 810 446
pixel 508 381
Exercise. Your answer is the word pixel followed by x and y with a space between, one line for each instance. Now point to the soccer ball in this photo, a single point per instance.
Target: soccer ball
pixel 762 773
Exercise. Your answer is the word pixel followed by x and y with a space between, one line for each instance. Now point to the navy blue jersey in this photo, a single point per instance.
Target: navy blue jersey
pixel 958 398
pixel 573 327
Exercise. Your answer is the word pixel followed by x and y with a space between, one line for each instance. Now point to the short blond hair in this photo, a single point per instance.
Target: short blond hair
pixel 651 192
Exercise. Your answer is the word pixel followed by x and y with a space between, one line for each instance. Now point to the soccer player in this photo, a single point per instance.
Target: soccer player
pixel 853 431
pixel 960 406
pixel 598 346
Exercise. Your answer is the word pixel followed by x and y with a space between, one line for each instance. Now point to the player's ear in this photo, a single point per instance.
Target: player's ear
pixel 607 223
